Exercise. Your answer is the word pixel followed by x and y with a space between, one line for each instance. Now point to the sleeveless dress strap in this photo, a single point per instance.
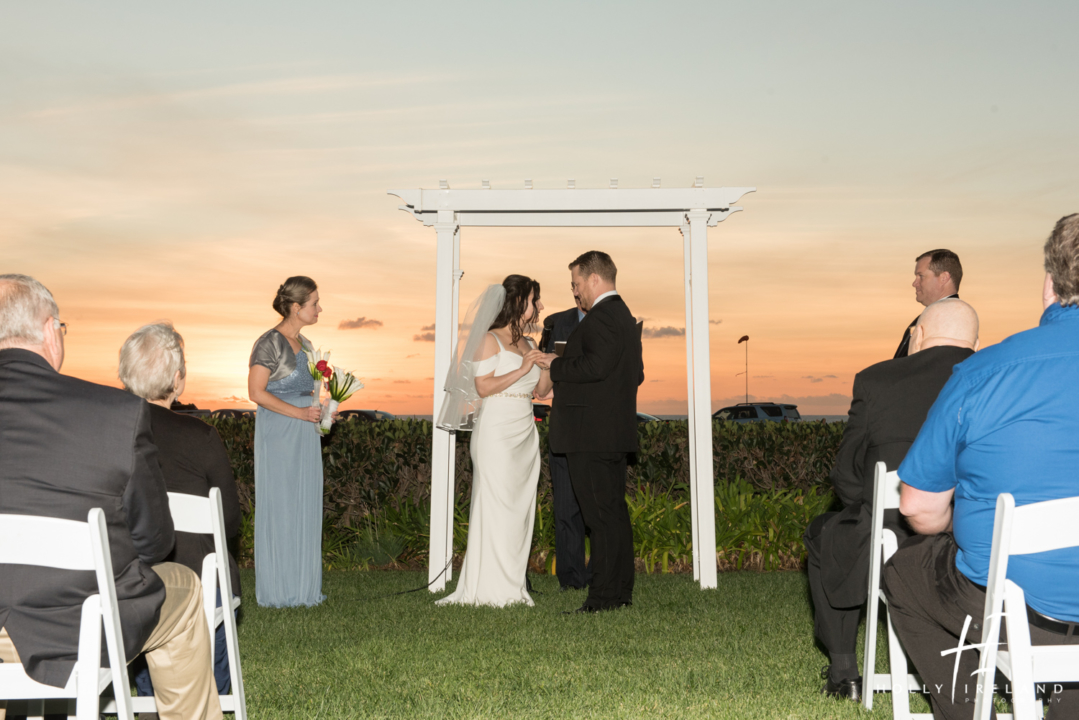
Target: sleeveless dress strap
pixel 500 347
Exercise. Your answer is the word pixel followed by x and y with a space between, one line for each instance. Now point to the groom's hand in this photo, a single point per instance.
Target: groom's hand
pixel 545 360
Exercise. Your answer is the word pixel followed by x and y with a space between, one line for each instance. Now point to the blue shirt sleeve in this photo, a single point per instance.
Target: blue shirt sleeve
pixel 930 462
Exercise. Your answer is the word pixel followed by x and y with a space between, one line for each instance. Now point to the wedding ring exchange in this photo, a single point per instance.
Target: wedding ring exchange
pixel 691 210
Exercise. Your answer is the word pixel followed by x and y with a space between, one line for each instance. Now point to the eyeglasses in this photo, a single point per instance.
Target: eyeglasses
pixel 61 326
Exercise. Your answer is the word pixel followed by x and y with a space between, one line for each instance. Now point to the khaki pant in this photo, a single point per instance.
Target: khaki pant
pixel 177 651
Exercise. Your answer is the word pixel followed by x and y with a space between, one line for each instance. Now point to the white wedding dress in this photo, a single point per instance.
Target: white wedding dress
pixel 505 475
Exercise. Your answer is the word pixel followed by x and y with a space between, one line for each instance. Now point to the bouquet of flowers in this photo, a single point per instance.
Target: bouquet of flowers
pixel 318 364
pixel 342 385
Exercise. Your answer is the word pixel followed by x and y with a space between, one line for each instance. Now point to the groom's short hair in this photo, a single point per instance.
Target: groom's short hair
pixel 596 262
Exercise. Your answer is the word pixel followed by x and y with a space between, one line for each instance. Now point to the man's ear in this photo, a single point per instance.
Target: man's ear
pixel 1049 294
pixel 51 344
pixel 917 336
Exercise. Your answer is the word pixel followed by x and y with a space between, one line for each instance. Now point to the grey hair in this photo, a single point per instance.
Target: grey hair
pixel 149 360
pixel 24 305
pixel 1062 259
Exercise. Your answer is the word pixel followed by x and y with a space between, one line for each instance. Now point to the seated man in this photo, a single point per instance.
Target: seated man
pixel 891 400
pixel 70 446
pixel 1005 422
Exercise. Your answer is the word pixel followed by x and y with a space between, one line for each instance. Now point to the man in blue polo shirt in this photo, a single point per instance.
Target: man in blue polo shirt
pixel 1007 421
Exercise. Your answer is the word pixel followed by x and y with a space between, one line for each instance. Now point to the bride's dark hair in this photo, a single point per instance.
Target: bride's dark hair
pixel 518 288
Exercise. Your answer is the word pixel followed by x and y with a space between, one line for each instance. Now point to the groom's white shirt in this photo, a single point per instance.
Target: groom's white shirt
pixel 604 296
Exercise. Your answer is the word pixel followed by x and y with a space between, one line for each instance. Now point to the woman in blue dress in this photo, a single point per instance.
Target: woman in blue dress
pixel 288 455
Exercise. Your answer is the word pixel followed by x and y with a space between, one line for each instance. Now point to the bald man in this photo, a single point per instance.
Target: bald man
pixel 891 401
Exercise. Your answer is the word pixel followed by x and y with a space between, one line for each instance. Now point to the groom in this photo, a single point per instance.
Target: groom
pixel 594 423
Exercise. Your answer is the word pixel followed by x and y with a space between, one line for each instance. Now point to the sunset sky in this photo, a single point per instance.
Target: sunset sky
pixel 179 161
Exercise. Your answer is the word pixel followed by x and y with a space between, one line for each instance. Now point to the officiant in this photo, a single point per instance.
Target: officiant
pixel 569 529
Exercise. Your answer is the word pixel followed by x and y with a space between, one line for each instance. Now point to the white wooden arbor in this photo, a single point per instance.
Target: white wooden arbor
pixel 692 210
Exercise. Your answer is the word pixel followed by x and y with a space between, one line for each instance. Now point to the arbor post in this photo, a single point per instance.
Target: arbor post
pixel 443 445
pixel 700 394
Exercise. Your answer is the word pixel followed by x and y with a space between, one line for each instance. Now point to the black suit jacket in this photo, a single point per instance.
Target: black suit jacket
pixel 67 446
pixel 557 327
pixel 904 344
pixel 193 460
pixel 596 379
pixel 891 401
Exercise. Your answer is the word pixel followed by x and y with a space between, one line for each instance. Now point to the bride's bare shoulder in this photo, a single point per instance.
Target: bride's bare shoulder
pixel 490 347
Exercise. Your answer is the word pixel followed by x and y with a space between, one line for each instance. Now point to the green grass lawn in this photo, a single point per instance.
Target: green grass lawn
pixel 743 650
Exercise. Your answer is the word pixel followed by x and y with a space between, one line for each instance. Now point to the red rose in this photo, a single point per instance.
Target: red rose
pixel 326 372
pixel 322 366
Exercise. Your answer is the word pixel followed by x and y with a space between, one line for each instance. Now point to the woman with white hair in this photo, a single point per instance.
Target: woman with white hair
pixel 192 457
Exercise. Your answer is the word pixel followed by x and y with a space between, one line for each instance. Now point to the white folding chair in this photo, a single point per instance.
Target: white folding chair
pixel 883 544
pixel 204 515
pixel 1033 528
pixel 70 545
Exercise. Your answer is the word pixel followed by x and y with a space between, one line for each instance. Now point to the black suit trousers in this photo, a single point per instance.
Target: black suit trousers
pixel 837 627
pixel 599 482
pixel 929 600
pixel 569 529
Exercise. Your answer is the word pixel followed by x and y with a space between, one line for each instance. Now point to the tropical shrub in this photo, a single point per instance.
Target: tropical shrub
pixel 771 479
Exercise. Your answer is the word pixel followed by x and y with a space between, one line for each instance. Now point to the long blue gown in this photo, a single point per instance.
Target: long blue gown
pixel 288 498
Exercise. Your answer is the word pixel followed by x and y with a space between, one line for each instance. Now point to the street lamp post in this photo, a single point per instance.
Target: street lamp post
pixel 745 339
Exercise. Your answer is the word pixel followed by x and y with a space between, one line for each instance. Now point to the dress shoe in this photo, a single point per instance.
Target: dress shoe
pixel 849 689
pixel 564 588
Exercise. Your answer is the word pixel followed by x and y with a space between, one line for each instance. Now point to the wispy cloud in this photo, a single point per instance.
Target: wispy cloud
pixel 663 332
pixel 815 379
pixel 426 328
pixel 402 382
pixel 358 323
pixel 424 337
pixel 715 322
pixel 287 86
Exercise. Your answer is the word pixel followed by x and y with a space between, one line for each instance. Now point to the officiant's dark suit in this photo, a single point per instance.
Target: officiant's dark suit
pixel 67 446
pixel 891 401
pixel 594 423
pixel 569 529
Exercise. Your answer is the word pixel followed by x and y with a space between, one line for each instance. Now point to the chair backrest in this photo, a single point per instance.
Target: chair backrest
pixel 1033 528
pixel 886 493
pixel 45 542
pixel 1043 526
pixel 73 545
pixel 191 513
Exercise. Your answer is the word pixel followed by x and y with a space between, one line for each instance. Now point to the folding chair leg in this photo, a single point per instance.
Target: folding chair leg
pixel 897 660
pixel 232 647
pixel 869 665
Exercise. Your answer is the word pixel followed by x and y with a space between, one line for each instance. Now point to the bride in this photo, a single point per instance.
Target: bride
pixel 495 371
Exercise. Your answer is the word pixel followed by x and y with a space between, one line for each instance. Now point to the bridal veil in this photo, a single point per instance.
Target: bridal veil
pixel 461 407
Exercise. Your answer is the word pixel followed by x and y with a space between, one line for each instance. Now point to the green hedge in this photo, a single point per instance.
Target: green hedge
pixel 770 479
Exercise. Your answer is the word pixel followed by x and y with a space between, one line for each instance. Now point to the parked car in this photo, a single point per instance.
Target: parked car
pixel 758 412
pixel 232 413
pixel 366 415
pixel 646 418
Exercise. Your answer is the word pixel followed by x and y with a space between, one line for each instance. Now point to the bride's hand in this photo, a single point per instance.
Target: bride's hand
pixel 531 358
